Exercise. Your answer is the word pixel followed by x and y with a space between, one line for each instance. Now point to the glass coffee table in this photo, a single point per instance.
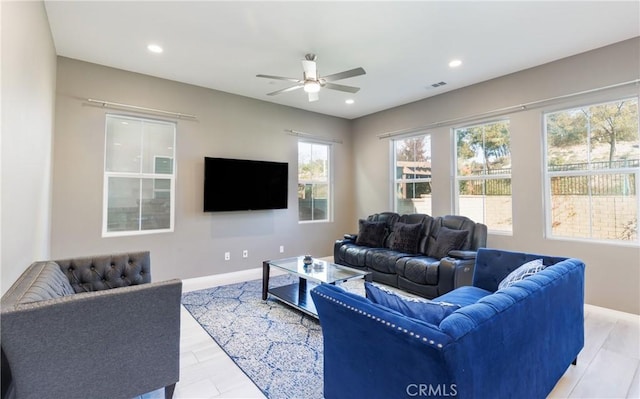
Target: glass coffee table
pixel 298 294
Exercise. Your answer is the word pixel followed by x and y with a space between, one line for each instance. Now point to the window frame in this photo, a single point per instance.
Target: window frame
pixel 141 176
pixel 588 172
pixel 329 182
pixel 394 179
pixel 484 177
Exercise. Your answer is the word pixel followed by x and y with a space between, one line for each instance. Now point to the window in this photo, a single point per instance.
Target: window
pixel 483 174
pixel 314 181
pixel 139 176
pixel 412 175
pixel 592 167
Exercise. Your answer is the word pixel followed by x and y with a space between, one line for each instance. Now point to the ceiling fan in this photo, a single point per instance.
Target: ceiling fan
pixel 311 82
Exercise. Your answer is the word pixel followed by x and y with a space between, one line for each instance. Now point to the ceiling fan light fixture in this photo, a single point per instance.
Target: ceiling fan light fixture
pixel 311 86
pixel 311 82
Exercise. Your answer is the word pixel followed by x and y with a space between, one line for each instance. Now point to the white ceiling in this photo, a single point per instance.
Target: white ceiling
pixel 403 46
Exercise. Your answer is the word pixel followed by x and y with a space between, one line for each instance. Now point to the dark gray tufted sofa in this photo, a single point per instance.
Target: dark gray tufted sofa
pixel 90 327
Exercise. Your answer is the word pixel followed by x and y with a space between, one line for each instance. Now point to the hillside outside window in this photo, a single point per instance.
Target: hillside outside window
pixel 592 169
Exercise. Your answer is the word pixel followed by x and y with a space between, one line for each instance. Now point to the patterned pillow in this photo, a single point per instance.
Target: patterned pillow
pixel 406 237
pixel 417 308
pixel 522 272
pixel 371 234
pixel 447 240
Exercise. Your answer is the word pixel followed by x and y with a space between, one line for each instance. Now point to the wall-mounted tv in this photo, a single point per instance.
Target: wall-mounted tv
pixel 242 184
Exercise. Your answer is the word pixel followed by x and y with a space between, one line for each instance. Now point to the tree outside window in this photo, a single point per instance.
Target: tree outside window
pixel 314 183
pixel 592 163
pixel 412 175
pixel 483 174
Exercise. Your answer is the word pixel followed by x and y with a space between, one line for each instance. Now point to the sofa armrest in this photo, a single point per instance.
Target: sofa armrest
pixel 118 343
pixel 337 253
pixel 465 255
pixel 454 273
pixel 357 365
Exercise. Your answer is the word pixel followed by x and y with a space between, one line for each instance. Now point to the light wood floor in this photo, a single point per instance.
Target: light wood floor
pixel 608 366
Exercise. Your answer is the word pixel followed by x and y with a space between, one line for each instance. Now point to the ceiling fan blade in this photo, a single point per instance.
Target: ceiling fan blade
pixel 343 75
pixel 292 88
pixel 310 71
pixel 279 78
pixel 348 89
pixel 313 97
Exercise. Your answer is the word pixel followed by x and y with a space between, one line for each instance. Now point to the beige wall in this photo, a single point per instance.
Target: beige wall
pixel 613 271
pixel 226 126
pixel 28 88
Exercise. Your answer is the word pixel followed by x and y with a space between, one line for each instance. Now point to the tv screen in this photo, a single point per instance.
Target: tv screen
pixel 241 185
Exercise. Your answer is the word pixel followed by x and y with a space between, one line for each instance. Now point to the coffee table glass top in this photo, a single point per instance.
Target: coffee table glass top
pixel 320 270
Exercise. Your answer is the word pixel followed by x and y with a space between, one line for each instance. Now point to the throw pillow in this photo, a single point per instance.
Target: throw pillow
pixel 406 237
pixel 417 308
pixel 447 240
pixel 371 234
pixel 522 272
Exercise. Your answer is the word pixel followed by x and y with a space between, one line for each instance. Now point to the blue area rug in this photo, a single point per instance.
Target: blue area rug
pixel 277 347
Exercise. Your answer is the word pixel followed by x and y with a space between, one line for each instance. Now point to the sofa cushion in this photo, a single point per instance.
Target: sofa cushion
pixel 389 219
pixel 419 269
pixel 463 296
pixel 383 260
pixel 417 308
pixel 447 240
pixel 522 272
pixel 406 237
pixel 354 255
pixel 371 234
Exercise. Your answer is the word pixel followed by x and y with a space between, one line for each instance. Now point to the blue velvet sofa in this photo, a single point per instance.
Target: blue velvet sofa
pixel 514 342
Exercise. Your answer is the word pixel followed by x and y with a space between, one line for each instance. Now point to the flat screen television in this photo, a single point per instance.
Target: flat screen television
pixel 242 185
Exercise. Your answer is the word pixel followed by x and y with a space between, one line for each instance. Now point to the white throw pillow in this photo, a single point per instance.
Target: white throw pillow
pixel 522 272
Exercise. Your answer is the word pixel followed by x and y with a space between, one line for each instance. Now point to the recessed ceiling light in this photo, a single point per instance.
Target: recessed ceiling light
pixel 154 48
pixel 349 101
pixel 455 63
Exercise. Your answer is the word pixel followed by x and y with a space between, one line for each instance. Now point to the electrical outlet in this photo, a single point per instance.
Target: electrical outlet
pixel 245 253
pixel 281 249
pixel 227 255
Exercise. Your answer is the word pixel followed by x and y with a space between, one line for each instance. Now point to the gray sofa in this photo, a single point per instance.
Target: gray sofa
pixel 434 255
pixel 90 327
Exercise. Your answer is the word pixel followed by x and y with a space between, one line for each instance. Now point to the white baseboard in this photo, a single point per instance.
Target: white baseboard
pixel 214 280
